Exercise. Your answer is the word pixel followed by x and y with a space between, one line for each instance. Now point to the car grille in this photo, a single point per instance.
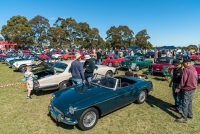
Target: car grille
pixel 57 110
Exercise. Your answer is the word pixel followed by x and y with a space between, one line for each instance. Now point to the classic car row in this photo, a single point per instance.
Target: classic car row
pixel 111 60
pixel 50 74
pixel 83 105
pixel 136 63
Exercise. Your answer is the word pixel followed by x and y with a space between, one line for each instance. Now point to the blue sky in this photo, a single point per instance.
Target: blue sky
pixel 168 22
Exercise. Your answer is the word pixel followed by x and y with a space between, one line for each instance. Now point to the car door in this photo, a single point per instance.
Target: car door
pixel 110 102
pixel 125 95
pixel 146 63
pixel 56 79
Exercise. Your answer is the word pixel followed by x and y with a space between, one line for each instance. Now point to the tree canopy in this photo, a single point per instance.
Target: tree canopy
pixel 18 30
pixel 121 36
pixel 67 32
pixel 40 27
pixel 141 39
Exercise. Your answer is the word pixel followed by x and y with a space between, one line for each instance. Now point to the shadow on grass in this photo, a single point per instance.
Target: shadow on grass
pixel 17 71
pixel 41 93
pixel 159 78
pixel 156 102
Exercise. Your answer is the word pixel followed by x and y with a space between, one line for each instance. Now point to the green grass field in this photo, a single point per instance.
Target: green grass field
pixel 21 116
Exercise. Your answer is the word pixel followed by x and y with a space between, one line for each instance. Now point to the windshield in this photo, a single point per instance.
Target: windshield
pixel 105 81
pixel 114 57
pixel 130 58
pixel 27 57
pixel 59 67
pixel 197 62
pixel 163 60
pixel 135 58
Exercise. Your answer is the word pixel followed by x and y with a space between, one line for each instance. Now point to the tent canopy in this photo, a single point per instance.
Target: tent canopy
pixel 167 47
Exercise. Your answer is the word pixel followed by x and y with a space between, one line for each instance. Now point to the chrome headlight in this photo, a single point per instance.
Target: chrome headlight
pixel 72 110
pixel 53 96
pixel 133 64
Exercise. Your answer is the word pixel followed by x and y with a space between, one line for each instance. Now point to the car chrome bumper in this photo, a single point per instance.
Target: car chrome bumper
pixel 13 67
pixel 59 118
pixel 157 71
pixel 124 66
pixel 7 63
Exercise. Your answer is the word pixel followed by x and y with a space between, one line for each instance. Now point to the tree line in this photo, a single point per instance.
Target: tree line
pixel 67 32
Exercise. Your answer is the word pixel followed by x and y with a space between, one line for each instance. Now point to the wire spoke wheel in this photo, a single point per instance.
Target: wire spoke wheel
pixel 89 119
pixel 142 96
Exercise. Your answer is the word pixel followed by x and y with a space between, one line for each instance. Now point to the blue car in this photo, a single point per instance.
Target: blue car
pixel 83 105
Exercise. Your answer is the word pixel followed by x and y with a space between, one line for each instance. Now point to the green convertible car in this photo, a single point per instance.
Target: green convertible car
pixel 135 63
pixel 83 105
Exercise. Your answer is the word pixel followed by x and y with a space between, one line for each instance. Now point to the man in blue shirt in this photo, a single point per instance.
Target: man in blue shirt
pixel 77 71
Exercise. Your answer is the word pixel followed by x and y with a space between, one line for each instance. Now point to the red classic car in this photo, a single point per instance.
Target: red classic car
pixel 44 56
pixel 26 51
pixel 71 56
pixel 197 67
pixel 159 63
pixel 112 60
pixel 68 56
pixel 195 56
pixel 2 55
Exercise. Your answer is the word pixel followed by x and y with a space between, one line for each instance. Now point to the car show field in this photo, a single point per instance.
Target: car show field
pixel 21 116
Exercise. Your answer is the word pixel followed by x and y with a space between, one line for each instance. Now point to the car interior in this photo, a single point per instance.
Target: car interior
pixel 45 73
pixel 124 82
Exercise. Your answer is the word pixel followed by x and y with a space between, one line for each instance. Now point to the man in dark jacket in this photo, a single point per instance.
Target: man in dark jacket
pixel 77 71
pixel 188 85
pixel 129 72
pixel 89 67
pixel 175 81
pixel 99 56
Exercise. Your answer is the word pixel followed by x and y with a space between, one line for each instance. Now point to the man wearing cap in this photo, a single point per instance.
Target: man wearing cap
pixel 175 81
pixel 188 85
pixel 89 67
pixel 77 71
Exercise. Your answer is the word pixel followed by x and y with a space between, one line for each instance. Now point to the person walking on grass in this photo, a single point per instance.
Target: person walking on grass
pixel 30 78
pixel 188 86
pixel 174 83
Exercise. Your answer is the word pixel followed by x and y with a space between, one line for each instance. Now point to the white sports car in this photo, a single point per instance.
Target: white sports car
pixel 59 76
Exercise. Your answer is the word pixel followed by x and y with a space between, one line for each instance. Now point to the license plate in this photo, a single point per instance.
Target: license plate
pixel 157 69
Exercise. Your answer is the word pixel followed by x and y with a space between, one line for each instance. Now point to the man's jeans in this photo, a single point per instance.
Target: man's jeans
pixel 76 81
pixel 98 61
pixel 178 97
pixel 89 79
pixel 187 103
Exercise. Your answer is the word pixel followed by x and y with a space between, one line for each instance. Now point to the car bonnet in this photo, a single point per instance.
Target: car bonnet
pixel 75 96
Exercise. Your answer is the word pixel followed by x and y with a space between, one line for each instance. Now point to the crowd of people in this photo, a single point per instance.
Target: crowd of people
pixel 156 53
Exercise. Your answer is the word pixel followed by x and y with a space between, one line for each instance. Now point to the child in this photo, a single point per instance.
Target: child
pixel 29 76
